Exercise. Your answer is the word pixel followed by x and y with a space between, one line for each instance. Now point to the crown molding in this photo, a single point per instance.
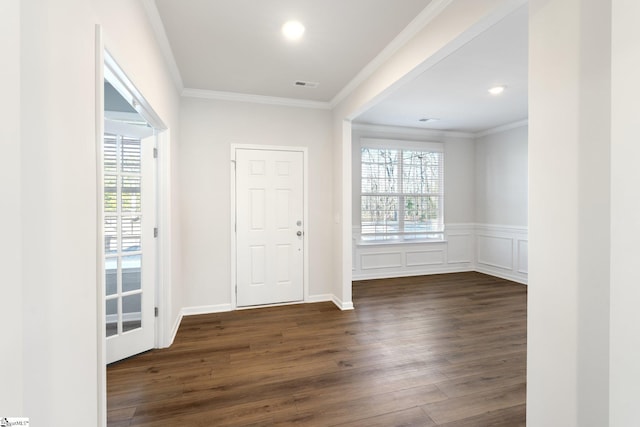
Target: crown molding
pixel 163 42
pixel 256 99
pixel 408 131
pixel 503 128
pixel 415 26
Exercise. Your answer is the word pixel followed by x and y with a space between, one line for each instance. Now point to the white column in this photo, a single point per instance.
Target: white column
pixel 625 215
pixel 11 330
pixel 58 192
pixel 569 213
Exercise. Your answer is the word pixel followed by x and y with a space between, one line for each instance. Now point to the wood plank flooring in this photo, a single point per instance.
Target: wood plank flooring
pixel 443 350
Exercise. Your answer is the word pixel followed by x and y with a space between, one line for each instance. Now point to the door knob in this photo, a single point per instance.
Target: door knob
pixel 299 233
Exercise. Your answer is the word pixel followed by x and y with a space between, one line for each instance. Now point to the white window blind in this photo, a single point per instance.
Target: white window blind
pixel 402 189
pixel 122 193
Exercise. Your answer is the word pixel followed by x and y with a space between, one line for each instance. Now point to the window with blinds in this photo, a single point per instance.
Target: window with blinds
pixel 402 190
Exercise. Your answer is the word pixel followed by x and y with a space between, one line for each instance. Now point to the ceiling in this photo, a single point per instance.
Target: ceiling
pixel 235 46
pixel 455 90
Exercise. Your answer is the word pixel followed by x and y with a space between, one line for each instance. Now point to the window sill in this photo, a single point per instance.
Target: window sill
pixel 392 242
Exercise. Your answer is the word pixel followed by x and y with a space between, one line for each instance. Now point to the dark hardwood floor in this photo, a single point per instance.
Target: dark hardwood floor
pixel 443 350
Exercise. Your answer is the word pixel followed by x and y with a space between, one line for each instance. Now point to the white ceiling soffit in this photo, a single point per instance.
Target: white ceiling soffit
pixel 227 49
pixel 454 91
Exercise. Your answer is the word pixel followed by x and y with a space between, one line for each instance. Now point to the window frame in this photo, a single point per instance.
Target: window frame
pixel 402 236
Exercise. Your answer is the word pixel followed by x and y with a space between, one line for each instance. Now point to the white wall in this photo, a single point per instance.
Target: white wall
pixel 501 181
pixel 459 174
pixel 11 392
pixel 501 192
pixel 209 127
pixel 569 215
pixel 625 227
pixel 57 179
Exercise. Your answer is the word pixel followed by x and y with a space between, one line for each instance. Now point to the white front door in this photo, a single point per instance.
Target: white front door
pixel 269 226
pixel 129 253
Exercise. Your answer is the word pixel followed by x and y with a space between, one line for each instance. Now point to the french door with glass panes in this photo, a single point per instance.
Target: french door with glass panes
pixel 129 247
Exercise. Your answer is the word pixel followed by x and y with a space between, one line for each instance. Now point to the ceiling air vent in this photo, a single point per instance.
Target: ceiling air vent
pixel 301 83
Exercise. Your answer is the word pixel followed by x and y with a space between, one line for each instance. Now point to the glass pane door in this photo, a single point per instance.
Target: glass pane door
pixel 122 234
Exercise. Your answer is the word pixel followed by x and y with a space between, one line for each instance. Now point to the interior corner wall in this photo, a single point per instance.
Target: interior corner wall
pixel 501 181
pixel 57 179
pixel 11 327
pixel 501 198
pixel 208 129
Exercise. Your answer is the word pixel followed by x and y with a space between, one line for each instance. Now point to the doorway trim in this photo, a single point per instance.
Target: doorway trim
pixel 107 67
pixel 232 218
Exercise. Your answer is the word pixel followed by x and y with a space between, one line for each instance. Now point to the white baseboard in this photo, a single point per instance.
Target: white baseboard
pixel 342 305
pixel 193 311
pixel 319 298
pixel 411 273
pixel 174 330
pixel 507 275
pixel 222 308
pixel 206 309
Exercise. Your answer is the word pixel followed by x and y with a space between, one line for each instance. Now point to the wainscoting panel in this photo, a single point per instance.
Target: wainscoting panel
pixel 460 247
pixel 383 260
pixel 425 257
pixel 502 251
pixel 523 256
pixel 496 250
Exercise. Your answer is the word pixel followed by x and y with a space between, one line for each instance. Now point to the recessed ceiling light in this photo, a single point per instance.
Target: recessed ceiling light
pixel 428 119
pixel 293 30
pixel 497 90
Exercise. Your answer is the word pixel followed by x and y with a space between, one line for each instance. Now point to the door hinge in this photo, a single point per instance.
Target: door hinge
pixel 155 153
pixel 155 231
pixel 155 311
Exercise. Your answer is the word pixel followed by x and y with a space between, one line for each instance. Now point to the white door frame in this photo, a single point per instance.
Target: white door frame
pixel 106 64
pixel 117 77
pixel 232 217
